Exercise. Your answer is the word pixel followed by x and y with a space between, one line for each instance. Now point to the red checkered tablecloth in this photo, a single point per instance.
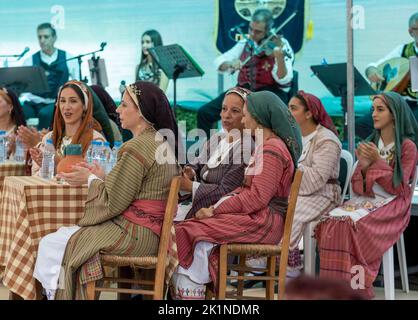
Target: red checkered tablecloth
pixel 30 208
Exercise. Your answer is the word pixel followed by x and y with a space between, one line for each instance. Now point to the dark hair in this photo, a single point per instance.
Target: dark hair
pixel 47 25
pixel 17 111
pixel 76 89
pixel 305 104
pixel 157 41
pixel 107 102
pixel 264 15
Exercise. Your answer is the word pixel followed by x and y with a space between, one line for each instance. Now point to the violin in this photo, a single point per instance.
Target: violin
pixel 272 41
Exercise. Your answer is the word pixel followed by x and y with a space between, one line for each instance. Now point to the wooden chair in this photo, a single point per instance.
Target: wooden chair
pixel 158 262
pixel 271 251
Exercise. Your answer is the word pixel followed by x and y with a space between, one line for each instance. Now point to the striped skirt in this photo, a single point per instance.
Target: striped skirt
pixel 81 263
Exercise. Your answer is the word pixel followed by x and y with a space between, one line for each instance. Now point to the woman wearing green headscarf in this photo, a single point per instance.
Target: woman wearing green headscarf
pixel 252 213
pixel 354 237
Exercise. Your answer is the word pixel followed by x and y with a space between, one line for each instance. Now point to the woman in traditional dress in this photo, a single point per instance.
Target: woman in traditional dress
pixel 319 191
pixel 11 116
pixel 252 213
pixel 73 123
pixel 353 238
pixel 124 212
pixel 220 167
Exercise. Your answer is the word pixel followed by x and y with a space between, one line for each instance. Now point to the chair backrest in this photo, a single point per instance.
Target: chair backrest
pixel 414 182
pixel 165 236
pixel 294 191
pixel 346 167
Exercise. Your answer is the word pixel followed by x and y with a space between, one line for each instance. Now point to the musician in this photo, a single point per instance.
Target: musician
pixel 57 71
pixel 263 72
pixel 147 69
pixel 364 125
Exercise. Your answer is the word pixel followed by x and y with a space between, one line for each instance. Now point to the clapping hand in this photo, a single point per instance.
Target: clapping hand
pixel 367 153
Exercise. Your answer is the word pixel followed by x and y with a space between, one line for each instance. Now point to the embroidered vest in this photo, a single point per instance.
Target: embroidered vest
pixel 56 73
pixel 257 72
pixel 407 52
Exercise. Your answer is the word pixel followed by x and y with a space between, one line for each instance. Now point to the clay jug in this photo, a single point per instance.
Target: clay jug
pixel 72 156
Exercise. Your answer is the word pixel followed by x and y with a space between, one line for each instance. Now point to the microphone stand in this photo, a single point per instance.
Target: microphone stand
pixel 79 60
pixel 7 56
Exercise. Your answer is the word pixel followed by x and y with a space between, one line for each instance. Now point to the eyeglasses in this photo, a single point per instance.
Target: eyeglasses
pixel 255 31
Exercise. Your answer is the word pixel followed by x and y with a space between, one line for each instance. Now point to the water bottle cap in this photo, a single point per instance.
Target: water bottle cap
pixel 106 144
pixel 2 132
pixel 49 141
pixel 118 144
pixel 96 143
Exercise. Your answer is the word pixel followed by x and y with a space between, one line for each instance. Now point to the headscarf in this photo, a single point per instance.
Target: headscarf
pixel 406 127
pixel 107 102
pixel 271 112
pixel 242 92
pixel 315 106
pixel 154 107
pixel 17 110
pixel 84 134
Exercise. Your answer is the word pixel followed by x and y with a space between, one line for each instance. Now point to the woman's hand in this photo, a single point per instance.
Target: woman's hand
pixel 189 173
pixel 94 168
pixel 36 155
pixel 78 177
pixel 29 136
pixel 367 153
pixel 204 213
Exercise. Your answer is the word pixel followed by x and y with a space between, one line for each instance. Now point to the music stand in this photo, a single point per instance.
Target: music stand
pixel 176 63
pixel 98 72
pixel 24 79
pixel 334 77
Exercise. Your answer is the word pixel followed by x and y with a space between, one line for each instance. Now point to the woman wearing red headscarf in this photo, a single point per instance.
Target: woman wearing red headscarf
pixel 320 162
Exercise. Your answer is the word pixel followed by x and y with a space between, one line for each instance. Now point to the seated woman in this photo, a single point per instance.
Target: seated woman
pixel 252 213
pixel 122 215
pixel 11 116
pixel 73 123
pixel 353 238
pixel 220 168
pixel 320 162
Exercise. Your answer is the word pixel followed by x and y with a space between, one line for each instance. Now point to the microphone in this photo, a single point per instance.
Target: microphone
pixel 26 50
pixel 102 45
pixel 122 87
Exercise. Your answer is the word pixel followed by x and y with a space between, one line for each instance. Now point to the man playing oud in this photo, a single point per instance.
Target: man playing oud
pixel 364 125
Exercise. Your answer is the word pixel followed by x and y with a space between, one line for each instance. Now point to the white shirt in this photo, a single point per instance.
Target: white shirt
pixel 72 72
pixel 236 51
pixel 395 53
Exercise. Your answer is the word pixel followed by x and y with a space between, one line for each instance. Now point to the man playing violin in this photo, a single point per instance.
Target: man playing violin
pixel 269 66
pixel 364 125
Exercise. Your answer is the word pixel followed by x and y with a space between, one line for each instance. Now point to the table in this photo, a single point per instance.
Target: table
pixel 11 168
pixel 30 208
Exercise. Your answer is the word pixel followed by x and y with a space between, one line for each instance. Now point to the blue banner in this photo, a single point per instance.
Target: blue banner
pixel 234 14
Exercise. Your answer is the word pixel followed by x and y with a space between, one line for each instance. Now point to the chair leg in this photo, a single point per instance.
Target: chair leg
pixel 240 283
pixel 91 290
pixel 309 246
pixel 209 292
pixel 402 264
pixel 223 266
pixel 389 275
pixel 271 272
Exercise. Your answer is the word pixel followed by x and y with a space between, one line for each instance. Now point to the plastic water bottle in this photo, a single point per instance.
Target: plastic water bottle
pixel 114 155
pixel 20 151
pixel 3 146
pixel 95 152
pixel 48 161
pixel 105 157
pixel 89 153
